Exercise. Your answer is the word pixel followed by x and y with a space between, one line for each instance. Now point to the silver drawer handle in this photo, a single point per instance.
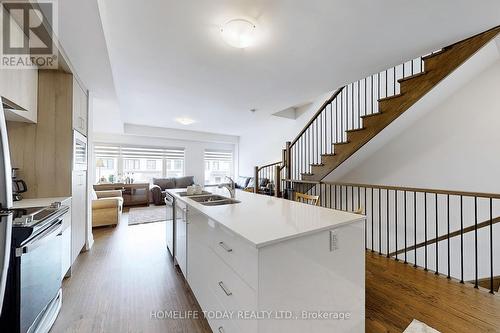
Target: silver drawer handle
pixel 221 329
pixel 225 247
pixel 223 287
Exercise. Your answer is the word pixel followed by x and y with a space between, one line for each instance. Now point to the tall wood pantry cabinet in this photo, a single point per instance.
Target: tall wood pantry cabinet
pixel 45 151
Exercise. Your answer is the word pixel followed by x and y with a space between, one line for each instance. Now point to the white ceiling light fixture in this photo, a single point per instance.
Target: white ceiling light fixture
pixel 185 120
pixel 239 33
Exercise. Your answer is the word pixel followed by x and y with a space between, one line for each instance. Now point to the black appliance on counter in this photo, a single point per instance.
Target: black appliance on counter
pixel 18 186
pixel 33 290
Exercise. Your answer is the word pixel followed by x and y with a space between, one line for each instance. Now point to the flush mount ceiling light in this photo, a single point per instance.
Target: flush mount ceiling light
pixel 184 120
pixel 239 33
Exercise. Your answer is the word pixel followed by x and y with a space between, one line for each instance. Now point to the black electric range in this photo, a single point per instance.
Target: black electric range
pixel 33 294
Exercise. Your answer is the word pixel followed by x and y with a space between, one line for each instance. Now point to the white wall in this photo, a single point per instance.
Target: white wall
pixel 454 146
pixel 263 142
pixel 157 137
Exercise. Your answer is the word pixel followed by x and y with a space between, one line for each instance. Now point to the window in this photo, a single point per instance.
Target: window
pixel 131 165
pixel 106 163
pixel 142 164
pixel 218 165
pixel 151 164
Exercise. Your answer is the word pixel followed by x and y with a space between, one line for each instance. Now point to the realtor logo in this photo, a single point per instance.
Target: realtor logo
pixel 27 35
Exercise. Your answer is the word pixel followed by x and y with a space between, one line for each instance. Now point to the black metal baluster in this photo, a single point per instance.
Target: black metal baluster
pixel 476 283
pixel 359 199
pixel 352 111
pixel 336 197
pixel 491 246
pixel 359 106
pixel 320 138
pixel 425 229
pixel 394 79
pixel 386 84
pixel 379 221
pixel 461 239
pixel 318 141
pixel 448 218
pixel 331 128
pixel 373 245
pixel 365 112
pixel 406 242
pixel 366 235
pixel 396 221
pixel 437 234
pixel 371 97
pixel 415 225
pixel 342 116
pixel 352 198
pixel 387 219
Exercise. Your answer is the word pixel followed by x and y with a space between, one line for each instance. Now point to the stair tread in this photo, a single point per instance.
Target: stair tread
pixel 328 155
pixel 342 143
pixel 356 130
pixel 435 54
pixel 371 115
pixel 390 97
pixel 307 173
pixel 317 164
pixel 412 77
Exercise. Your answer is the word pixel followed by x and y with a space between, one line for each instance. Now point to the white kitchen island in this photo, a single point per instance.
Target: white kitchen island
pixel 271 265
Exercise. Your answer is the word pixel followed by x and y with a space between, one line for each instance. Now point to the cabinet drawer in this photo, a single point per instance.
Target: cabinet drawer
pixel 231 291
pixel 240 256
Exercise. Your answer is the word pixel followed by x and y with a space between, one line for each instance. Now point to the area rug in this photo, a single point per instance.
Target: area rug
pixel 146 215
pixel 419 327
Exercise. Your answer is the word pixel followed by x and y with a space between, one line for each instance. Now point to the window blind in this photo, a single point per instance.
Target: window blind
pixel 102 151
pixel 218 155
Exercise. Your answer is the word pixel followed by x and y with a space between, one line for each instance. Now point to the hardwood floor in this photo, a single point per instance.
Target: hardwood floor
pixel 128 274
pixel 397 293
pixel 121 280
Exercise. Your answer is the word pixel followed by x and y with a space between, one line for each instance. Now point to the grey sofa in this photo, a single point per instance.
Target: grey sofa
pixel 160 185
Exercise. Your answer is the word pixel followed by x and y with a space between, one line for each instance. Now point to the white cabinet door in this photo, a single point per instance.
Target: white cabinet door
pixel 79 213
pixel 80 108
pixel 181 227
pixel 66 251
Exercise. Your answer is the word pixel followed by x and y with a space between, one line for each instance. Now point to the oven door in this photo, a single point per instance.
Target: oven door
pixel 40 274
pixel 170 225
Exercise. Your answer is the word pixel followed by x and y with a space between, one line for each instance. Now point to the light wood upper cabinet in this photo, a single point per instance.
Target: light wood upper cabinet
pixel 20 86
pixel 80 108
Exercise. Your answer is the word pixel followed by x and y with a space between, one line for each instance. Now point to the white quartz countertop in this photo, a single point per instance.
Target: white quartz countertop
pixel 263 220
pixel 38 202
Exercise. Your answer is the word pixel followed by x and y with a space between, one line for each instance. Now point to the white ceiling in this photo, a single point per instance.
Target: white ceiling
pixel 167 58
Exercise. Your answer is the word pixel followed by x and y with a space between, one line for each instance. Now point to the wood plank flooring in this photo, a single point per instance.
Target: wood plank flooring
pixel 126 275
pixel 397 293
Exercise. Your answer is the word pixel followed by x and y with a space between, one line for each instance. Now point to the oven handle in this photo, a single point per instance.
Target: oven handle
pixel 49 234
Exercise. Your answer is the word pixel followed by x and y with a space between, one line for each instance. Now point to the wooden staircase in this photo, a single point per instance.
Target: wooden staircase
pixel 412 88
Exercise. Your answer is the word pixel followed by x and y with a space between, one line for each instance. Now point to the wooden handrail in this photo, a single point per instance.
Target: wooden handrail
pixel 269 165
pixel 445 237
pixel 316 115
pixel 400 188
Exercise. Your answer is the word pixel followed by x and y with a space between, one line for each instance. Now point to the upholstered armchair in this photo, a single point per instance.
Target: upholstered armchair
pixel 106 207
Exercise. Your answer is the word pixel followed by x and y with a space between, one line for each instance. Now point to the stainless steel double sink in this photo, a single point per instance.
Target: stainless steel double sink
pixel 213 200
